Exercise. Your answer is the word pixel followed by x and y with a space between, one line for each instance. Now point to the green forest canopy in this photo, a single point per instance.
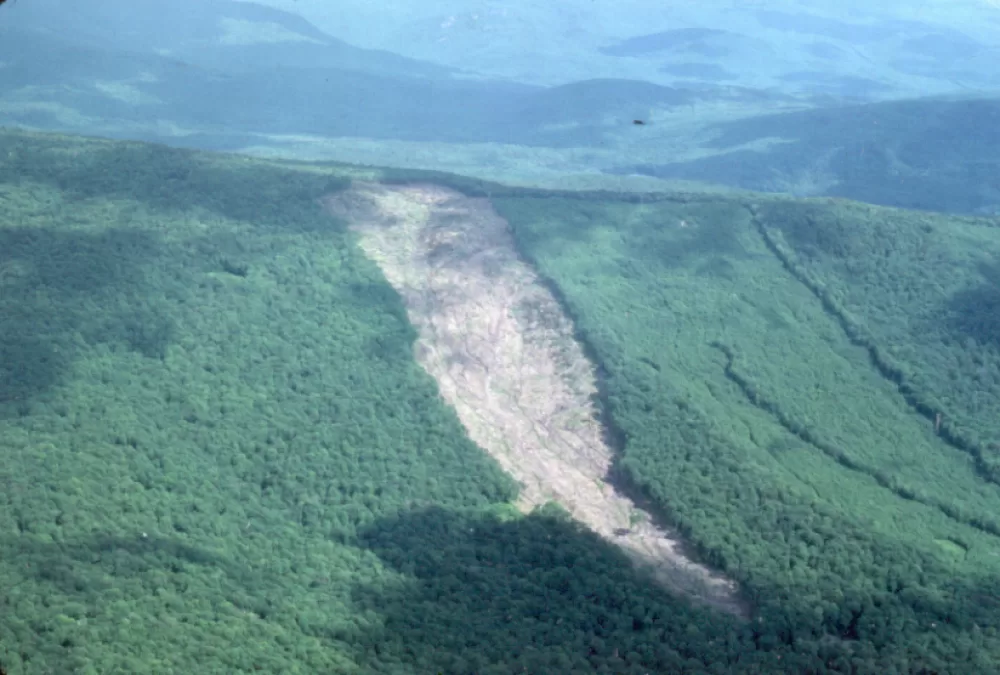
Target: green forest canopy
pixel 217 452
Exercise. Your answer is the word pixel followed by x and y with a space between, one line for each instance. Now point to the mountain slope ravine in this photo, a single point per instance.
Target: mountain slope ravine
pixel 504 357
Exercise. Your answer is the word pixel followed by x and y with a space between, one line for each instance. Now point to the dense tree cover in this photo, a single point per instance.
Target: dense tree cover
pixel 922 293
pixel 217 454
pixel 203 401
pixel 762 428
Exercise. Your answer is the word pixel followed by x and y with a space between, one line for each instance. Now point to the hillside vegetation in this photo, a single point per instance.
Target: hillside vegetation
pixel 775 372
pixel 217 453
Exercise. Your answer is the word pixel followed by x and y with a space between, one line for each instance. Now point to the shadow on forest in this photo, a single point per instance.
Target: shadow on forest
pixel 483 595
pixel 975 312
pixel 169 180
pixel 540 593
pixel 58 282
pixel 53 283
pixel 544 594
pixel 81 566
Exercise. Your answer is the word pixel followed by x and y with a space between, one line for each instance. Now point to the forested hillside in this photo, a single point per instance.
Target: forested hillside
pixel 218 455
pixel 777 398
pixel 921 293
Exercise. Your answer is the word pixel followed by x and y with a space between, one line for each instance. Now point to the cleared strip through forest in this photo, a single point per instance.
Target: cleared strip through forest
pixel 504 357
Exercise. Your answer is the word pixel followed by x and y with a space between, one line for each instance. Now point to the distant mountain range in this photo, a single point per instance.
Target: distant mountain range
pixel 227 75
pixel 875 50
pixel 227 69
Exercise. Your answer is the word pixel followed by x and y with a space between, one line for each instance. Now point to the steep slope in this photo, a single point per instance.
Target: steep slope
pixel 504 357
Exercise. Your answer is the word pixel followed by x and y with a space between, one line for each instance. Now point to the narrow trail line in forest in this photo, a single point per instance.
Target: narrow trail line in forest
pixel 504 357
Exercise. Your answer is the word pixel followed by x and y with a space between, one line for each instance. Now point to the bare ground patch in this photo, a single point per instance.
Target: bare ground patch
pixel 504 357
